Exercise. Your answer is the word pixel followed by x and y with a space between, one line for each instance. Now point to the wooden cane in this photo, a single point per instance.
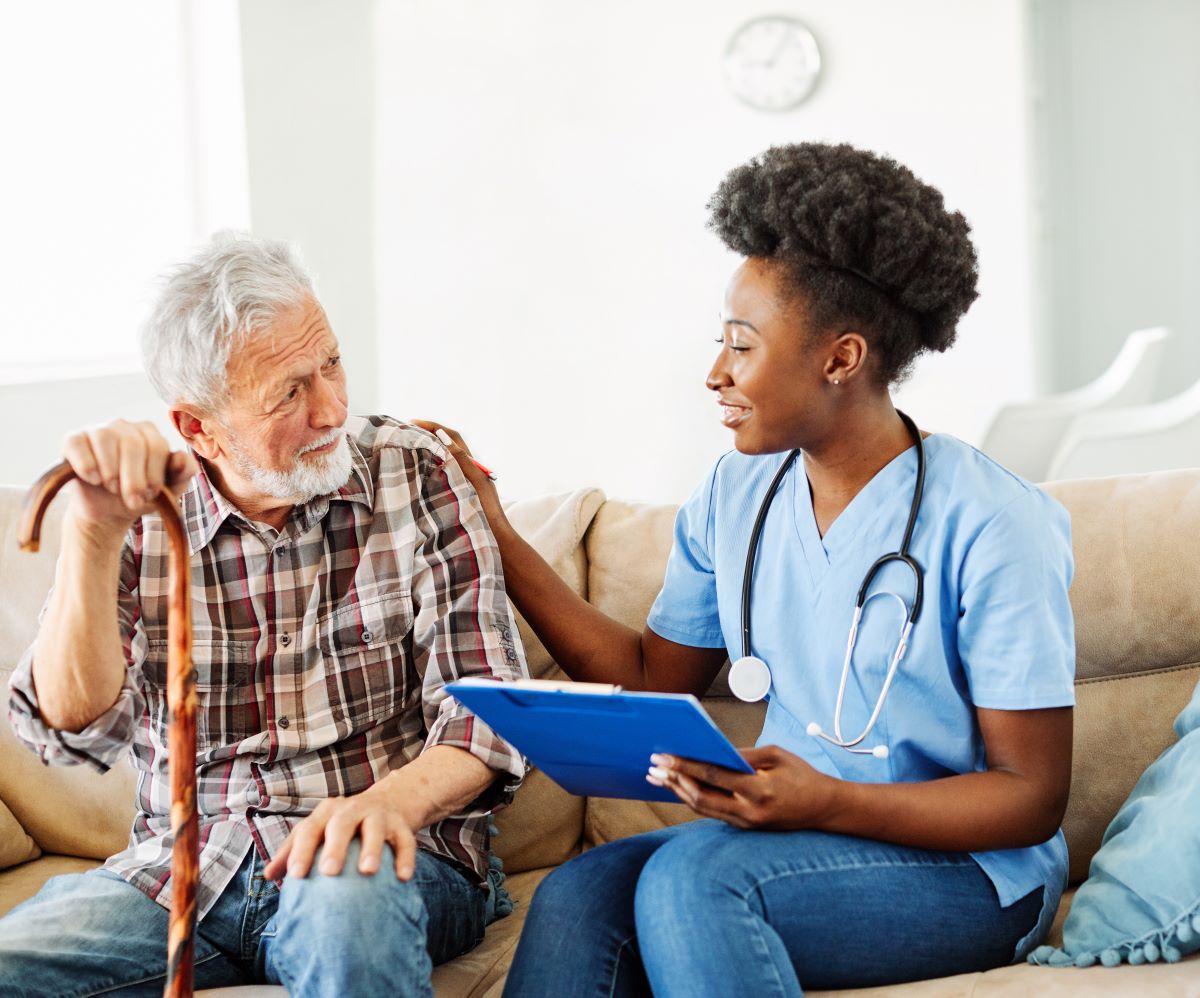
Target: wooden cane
pixel 181 701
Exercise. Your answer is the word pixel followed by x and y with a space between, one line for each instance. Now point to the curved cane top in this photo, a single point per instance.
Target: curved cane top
pixel 39 497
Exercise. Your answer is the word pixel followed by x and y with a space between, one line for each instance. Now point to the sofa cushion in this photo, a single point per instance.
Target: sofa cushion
pixel 22 882
pixel 1121 725
pixel 554 526
pixel 627 548
pixel 70 810
pixel 15 845
pixel 1134 594
pixel 542 827
pixel 1142 896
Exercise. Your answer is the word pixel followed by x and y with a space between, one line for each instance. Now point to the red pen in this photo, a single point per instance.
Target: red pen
pixel 444 437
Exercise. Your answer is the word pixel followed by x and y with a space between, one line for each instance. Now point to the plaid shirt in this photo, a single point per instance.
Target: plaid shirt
pixel 321 653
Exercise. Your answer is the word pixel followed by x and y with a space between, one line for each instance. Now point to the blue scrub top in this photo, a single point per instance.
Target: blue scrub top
pixel 995 630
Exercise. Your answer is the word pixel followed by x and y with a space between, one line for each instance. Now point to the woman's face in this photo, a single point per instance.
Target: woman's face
pixel 772 378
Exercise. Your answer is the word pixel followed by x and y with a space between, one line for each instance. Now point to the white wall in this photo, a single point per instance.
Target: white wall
pixel 309 94
pixel 545 279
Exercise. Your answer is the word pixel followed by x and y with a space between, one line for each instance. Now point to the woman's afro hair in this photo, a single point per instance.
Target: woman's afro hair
pixel 867 244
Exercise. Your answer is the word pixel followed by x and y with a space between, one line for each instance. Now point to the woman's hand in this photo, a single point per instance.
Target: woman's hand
pixel 783 793
pixel 489 498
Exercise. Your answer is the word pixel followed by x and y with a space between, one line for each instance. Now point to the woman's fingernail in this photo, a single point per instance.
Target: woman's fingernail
pixel 651 780
pixel 444 437
pixel 660 760
pixel 658 772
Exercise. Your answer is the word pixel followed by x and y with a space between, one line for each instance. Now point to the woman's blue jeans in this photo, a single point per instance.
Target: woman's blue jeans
pixel 94 934
pixel 708 909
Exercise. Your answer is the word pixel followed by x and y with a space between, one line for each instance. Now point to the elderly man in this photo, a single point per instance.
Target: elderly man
pixel 342 574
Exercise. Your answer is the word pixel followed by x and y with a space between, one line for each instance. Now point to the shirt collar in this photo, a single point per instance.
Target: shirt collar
pixel 205 508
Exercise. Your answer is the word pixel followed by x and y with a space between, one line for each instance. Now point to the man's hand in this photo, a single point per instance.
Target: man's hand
pixel 122 467
pixel 783 793
pixel 375 816
pixel 439 782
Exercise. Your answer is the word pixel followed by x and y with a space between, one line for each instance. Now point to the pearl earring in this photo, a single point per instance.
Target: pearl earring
pixel 837 381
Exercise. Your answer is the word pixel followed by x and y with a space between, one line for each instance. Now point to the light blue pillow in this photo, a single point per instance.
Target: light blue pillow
pixel 1141 900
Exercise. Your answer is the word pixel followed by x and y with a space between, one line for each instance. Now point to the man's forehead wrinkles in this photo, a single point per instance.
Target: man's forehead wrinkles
pixel 307 342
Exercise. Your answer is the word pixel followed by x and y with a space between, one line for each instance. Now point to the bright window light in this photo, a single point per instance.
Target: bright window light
pixel 117 161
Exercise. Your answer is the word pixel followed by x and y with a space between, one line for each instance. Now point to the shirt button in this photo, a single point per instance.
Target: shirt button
pixel 367 636
pixel 285 639
pixel 284 722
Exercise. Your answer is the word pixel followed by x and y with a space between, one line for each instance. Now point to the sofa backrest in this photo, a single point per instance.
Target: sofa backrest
pixel 1137 617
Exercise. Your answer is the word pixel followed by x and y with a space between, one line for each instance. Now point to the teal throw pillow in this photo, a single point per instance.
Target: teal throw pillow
pixel 1141 900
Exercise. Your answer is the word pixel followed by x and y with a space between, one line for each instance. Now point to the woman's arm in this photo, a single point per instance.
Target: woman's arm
pixel 589 645
pixel 1019 801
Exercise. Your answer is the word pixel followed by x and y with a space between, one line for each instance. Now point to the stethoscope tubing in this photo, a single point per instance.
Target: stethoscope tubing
pixel 911 612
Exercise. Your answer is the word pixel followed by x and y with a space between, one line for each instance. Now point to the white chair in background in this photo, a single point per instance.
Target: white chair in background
pixel 1137 440
pixel 1025 436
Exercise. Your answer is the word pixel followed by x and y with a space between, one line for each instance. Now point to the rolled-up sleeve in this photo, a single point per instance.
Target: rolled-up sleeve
pixel 103 742
pixel 463 624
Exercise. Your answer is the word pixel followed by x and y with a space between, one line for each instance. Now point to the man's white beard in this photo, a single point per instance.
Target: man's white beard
pixel 306 479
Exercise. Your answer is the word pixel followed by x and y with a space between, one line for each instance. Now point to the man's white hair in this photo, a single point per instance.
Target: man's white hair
pixel 231 290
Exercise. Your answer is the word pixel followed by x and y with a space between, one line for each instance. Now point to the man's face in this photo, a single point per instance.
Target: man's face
pixel 281 433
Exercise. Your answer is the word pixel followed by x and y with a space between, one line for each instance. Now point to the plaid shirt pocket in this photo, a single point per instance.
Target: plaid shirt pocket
pixel 227 700
pixel 362 645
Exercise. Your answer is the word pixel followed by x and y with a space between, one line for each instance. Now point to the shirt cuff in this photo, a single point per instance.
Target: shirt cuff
pixel 458 728
pixel 98 745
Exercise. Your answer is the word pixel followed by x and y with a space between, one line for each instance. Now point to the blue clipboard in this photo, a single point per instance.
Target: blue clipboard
pixel 598 743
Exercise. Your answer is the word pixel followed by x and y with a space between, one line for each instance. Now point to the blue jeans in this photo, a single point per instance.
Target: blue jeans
pixel 94 934
pixel 707 909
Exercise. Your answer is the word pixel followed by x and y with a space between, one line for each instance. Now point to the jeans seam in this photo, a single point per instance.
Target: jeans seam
pixel 612 987
pixel 141 980
pixel 758 925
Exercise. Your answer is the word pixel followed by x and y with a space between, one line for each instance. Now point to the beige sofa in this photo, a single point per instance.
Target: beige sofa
pixel 1137 608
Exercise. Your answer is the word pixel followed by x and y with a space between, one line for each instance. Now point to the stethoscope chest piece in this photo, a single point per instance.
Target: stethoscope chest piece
pixel 749 679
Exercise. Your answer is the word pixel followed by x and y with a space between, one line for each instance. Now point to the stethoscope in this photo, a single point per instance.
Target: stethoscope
pixel 750 677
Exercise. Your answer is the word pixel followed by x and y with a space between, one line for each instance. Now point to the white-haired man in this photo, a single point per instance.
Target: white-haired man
pixel 342 574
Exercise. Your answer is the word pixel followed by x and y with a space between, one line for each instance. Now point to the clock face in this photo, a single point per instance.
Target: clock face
pixel 772 63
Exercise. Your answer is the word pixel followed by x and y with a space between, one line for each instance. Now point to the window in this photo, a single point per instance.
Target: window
pixel 123 146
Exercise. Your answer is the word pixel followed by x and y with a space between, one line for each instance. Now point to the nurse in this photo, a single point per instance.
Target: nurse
pixel 939 852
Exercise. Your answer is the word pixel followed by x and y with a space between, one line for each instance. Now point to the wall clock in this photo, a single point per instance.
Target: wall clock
pixel 772 62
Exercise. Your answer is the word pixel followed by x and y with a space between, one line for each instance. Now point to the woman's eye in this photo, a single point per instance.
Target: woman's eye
pixel 333 362
pixel 291 396
pixel 720 340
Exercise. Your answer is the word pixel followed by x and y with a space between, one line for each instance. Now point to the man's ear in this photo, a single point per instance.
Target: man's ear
pixel 196 430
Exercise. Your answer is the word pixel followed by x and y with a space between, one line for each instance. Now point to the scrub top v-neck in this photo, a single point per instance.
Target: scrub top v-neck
pixel 996 629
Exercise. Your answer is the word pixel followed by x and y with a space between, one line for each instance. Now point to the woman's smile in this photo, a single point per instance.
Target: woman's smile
pixel 733 414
